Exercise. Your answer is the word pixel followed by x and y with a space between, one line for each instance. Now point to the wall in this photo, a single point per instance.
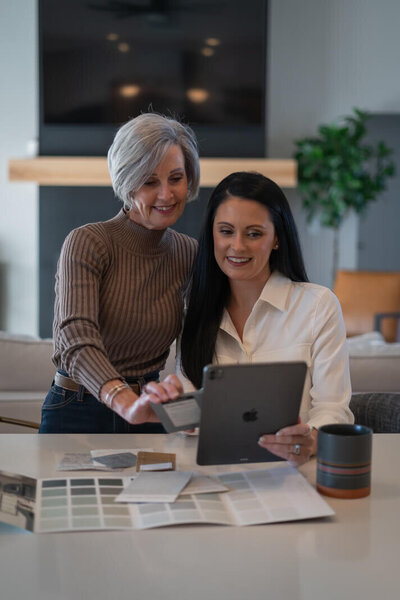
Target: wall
pixel 325 57
pixel 18 202
pixel 379 247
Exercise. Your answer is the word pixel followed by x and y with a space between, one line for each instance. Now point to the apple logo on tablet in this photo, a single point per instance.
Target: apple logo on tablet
pixel 250 415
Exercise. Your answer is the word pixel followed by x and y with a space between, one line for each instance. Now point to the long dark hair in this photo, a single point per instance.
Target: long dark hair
pixel 210 286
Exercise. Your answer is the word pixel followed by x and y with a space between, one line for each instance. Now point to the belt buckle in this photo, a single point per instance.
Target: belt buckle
pixel 136 388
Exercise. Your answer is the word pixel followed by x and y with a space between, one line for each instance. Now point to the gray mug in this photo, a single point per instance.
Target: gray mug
pixel 344 460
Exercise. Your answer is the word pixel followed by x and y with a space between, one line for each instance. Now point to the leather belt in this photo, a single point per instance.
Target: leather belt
pixel 69 384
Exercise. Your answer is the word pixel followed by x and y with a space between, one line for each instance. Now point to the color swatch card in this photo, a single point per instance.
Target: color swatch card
pixel 255 497
pixel 155 486
pixel 79 461
pixel 117 460
pixel 202 484
pixel 74 504
pixel 89 503
pixel 155 461
pixel 99 460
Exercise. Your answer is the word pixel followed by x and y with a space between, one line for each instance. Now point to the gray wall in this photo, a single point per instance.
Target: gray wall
pixel 325 57
pixel 18 202
pixel 379 238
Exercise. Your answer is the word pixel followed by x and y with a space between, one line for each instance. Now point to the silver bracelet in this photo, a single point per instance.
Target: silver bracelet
pixel 110 395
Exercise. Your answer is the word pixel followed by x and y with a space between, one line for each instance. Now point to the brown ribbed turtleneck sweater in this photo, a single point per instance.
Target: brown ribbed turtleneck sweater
pixel 119 299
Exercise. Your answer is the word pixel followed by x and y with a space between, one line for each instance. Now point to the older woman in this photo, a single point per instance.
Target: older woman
pixel 263 309
pixel 120 285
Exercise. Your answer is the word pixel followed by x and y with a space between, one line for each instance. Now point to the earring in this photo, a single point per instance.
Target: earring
pixel 276 246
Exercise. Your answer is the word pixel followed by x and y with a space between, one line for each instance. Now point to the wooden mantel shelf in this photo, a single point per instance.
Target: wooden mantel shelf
pixel 93 171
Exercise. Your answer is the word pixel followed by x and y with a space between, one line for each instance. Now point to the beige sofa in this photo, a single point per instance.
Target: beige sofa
pixel 374 364
pixel 26 372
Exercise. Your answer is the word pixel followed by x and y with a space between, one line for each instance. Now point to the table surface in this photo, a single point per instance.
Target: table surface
pixel 355 553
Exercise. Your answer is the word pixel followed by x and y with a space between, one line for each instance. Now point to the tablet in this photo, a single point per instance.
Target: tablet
pixel 239 403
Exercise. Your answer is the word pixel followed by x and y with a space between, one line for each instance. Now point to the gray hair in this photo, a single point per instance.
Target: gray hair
pixel 140 145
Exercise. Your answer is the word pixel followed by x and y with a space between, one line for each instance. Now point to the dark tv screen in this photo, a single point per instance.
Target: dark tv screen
pixel 104 61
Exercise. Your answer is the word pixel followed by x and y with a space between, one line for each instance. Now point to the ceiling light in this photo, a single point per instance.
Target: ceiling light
pixel 212 41
pixel 206 51
pixel 197 95
pixel 123 47
pixel 129 90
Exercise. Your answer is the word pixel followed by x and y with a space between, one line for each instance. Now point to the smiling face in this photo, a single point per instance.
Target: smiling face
pixel 161 200
pixel 244 237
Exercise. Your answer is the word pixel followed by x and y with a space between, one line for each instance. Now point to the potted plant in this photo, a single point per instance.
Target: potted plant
pixel 339 172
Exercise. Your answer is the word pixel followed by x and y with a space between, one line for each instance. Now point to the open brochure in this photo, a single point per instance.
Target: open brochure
pixel 88 503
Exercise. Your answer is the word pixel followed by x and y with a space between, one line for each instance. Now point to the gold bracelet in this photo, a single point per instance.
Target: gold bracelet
pixel 110 395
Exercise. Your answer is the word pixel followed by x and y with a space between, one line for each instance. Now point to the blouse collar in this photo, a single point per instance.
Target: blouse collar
pixel 275 292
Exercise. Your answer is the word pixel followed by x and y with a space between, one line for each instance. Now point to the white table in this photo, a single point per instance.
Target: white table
pixel 354 554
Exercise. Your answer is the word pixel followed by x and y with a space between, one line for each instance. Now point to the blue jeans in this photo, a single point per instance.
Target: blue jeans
pixel 66 411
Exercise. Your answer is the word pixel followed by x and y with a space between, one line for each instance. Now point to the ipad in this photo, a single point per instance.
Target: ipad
pixel 239 403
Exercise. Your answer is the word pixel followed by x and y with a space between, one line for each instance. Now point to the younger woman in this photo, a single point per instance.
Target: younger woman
pixel 251 302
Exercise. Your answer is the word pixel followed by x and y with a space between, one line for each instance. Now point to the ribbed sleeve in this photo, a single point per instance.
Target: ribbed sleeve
pixel 119 299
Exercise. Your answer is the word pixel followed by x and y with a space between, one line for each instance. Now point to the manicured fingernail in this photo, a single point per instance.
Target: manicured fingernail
pixel 261 440
pixel 278 433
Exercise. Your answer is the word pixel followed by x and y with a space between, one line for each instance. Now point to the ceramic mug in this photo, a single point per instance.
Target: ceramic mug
pixel 344 460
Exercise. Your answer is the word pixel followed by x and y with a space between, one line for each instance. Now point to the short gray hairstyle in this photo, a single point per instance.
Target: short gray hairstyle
pixel 140 145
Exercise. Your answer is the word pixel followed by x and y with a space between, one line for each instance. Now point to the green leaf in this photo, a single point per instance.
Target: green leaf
pixel 338 171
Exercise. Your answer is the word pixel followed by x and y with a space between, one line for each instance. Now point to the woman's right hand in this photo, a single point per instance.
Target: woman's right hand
pixel 137 409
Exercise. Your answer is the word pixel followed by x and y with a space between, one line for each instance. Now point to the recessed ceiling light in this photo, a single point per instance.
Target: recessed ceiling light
pixel 129 90
pixel 197 95
pixel 124 47
pixel 212 41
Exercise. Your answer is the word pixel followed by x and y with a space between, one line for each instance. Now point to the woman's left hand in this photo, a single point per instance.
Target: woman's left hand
pixel 296 443
pixel 168 389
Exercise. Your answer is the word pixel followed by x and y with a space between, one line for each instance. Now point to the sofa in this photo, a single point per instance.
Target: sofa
pixel 26 372
pixel 374 363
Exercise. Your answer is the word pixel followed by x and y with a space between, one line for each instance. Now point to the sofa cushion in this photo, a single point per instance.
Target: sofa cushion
pixel 374 364
pixel 375 373
pixel 380 412
pixel 25 363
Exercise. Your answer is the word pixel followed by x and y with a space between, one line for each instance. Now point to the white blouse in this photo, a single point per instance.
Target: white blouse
pixel 290 322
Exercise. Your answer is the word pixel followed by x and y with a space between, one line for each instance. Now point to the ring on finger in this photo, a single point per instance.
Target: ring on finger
pixel 296 449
